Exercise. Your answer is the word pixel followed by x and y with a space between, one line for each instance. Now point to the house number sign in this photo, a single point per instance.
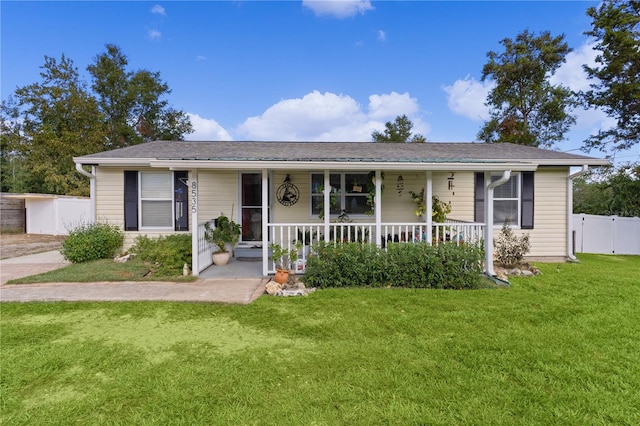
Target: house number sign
pixel 287 194
pixel 194 196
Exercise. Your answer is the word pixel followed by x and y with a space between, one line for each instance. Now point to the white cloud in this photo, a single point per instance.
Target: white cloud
pixel 389 106
pixel 154 34
pixel 329 117
pixel 338 8
pixel 206 130
pixel 158 10
pixel 201 58
pixel 571 74
pixel 467 97
pixel 382 36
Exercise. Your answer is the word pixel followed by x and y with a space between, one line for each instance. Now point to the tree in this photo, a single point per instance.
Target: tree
pixel 11 162
pixel 609 192
pixel 132 102
pixel 398 131
pixel 616 90
pixel 525 107
pixel 59 120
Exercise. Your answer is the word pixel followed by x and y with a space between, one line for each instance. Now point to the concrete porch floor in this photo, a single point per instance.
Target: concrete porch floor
pixel 234 269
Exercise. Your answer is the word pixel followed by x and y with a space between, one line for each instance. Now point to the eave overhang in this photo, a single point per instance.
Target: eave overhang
pixel 308 165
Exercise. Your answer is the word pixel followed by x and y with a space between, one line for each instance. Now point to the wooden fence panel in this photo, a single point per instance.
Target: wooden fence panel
pixel 12 215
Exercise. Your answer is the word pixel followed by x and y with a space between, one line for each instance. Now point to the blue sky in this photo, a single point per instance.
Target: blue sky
pixel 304 70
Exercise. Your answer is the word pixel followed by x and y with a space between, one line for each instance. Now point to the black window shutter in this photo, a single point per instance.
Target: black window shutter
pixel 478 198
pixel 130 200
pixel 181 200
pixel 527 200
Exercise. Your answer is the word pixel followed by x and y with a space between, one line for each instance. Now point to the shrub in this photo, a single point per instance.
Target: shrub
pixel 92 241
pixel 169 252
pixel 510 249
pixel 416 265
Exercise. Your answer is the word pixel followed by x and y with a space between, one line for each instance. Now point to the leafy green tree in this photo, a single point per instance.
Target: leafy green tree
pixel 609 192
pixel 525 107
pixel 133 103
pixel 13 176
pixel 398 131
pixel 616 86
pixel 60 120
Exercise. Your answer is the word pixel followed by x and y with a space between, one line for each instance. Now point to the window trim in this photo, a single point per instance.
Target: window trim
pixel 515 224
pixel 170 199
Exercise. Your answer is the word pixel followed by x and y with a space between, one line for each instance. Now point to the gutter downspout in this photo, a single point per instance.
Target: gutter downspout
pixel 92 187
pixel 488 218
pixel 570 178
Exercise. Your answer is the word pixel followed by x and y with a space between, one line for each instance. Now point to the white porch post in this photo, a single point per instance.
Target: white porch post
pixel 428 195
pixel 327 204
pixel 265 222
pixel 193 196
pixel 378 207
pixel 488 218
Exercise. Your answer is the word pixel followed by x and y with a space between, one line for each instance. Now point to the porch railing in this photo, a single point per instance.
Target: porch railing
pixel 205 250
pixel 289 234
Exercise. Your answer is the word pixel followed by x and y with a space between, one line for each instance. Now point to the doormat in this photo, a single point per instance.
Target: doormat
pixel 249 259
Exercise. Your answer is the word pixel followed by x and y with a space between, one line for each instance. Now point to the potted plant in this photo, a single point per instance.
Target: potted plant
pixel 284 260
pixel 440 208
pixel 225 234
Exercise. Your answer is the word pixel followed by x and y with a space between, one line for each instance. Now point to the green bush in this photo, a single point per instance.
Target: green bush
pixel 416 265
pixel 169 252
pixel 92 241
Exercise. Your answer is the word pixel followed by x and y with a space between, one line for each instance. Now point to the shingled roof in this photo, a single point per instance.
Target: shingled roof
pixel 337 152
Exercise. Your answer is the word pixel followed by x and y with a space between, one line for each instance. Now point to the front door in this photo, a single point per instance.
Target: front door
pixel 251 199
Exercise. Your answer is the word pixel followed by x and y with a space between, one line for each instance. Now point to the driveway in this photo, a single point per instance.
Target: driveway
pixel 31 264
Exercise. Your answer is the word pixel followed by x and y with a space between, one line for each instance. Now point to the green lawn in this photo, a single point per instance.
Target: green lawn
pixel 102 270
pixel 560 348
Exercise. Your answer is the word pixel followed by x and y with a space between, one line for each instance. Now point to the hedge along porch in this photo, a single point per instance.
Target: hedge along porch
pixel 279 192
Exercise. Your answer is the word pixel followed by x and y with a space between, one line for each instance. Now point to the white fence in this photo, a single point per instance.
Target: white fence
pixel 56 216
pixel 606 234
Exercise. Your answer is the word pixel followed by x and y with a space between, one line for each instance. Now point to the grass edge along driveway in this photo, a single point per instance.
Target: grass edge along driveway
pixel 560 348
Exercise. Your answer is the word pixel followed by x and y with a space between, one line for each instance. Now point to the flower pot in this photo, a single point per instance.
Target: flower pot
pixel 221 258
pixel 282 276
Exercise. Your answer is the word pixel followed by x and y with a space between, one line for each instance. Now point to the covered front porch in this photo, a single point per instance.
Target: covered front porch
pixel 302 236
pixel 274 228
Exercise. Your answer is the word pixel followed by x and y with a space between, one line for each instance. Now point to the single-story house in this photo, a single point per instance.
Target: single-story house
pixel 279 191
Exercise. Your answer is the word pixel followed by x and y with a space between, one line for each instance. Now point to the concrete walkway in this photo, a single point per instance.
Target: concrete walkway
pixel 223 290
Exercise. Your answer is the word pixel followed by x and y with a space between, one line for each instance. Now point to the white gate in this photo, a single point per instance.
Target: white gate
pixel 606 234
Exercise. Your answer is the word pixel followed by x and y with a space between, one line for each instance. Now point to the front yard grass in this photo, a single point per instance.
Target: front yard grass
pixel 102 270
pixel 560 348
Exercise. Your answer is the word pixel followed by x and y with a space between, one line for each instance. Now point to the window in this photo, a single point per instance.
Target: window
pixel 156 199
pixel 506 200
pixel 513 199
pixel 348 193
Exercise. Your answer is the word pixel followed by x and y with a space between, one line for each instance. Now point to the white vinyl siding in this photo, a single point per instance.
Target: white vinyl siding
pixel 549 237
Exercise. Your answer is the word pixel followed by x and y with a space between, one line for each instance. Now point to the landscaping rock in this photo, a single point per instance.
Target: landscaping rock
pixel 272 287
pixel 123 259
pixel 296 288
pixel 524 270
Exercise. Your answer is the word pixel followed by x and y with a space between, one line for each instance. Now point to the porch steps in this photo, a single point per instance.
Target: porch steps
pixel 247 251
